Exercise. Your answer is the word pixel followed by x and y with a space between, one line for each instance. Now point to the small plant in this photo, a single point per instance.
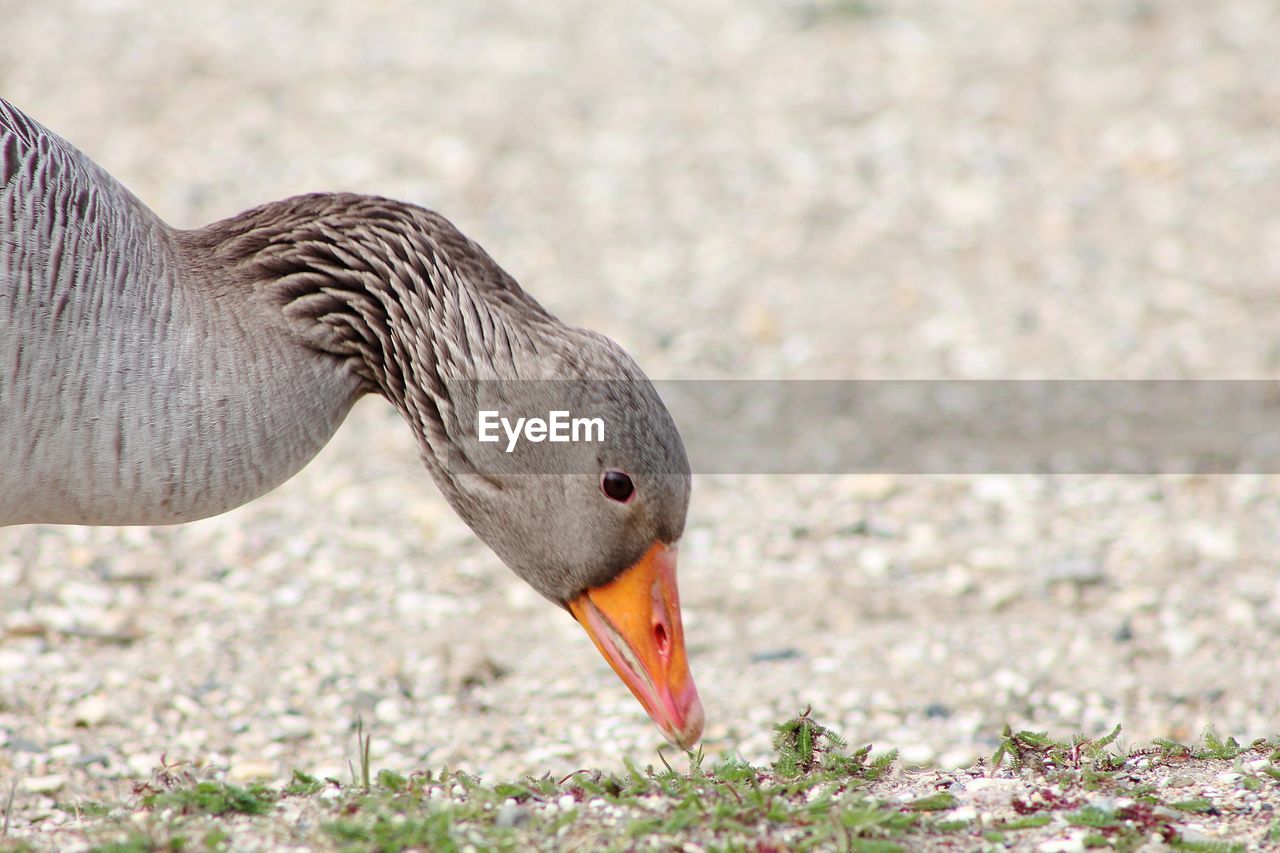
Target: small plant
pixel 84 809
pixel 938 802
pixel 1028 822
pixel 805 746
pixel 389 780
pixel 8 806
pixel 303 785
pixel 1093 818
pixel 363 742
pixel 1216 748
pixel 1172 749
pixel 799 743
pixel 1023 748
pixel 1207 846
pixel 214 798
pixel 216 839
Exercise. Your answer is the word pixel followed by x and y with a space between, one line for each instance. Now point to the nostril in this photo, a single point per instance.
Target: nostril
pixel 661 637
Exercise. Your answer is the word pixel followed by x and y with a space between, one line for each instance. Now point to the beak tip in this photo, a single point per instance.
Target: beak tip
pixel 693 729
pixel 689 730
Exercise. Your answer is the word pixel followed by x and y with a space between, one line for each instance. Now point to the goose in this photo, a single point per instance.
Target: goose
pixel 154 375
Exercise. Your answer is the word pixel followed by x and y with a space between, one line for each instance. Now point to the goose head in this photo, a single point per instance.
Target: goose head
pixel 592 525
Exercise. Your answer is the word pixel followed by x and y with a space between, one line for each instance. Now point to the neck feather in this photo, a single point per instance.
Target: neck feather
pixel 394 289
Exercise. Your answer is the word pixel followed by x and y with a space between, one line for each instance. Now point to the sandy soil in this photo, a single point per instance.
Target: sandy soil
pixel 791 189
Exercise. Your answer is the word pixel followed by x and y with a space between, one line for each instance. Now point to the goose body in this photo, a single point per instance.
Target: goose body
pixel 137 387
pixel 151 375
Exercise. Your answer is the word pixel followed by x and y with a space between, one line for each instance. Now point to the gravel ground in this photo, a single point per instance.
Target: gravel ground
pixel 731 189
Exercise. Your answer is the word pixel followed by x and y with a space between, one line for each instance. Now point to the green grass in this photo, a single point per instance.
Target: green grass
pixel 214 798
pixel 82 808
pixel 302 785
pixel 816 794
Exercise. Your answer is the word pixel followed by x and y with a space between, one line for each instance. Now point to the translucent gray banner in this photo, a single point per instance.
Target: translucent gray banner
pixel 886 426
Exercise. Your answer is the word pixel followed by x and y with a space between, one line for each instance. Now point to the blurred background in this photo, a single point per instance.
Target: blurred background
pixel 799 189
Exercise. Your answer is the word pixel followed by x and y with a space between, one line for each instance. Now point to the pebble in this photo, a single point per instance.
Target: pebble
pixel 12 660
pixel 993 558
pixel 142 764
pixel 387 711
pixel 65 752
pixel 1062 845
pixel 293 726
pixel 963 757
pixel 251 770
pixel 44 784
pixel 1075 570
pixel 920 753
pixel 1217 544
pixel 92 710
pixel 23 623
pixel 1181 641
pixel 998 490
pixel 989 794
pixel 874 561
pixel 17 743
pixel 511 814
pixel 870 487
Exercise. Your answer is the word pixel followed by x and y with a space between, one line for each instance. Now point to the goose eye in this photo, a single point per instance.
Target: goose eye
pixel 617 486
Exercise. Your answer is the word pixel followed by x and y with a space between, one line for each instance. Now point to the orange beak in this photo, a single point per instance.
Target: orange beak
pixel 634 621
